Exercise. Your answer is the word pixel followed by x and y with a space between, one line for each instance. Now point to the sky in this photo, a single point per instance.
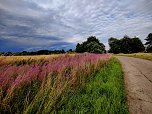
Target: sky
pixel 29 25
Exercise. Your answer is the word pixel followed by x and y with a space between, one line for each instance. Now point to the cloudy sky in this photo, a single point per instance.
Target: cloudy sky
pixel 55 24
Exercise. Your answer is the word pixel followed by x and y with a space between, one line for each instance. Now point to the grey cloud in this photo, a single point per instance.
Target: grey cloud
pixel 73 21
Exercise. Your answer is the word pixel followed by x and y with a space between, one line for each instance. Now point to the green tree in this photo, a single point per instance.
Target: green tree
pixel 126 44
pixel 114 45
pixel 92 45
pixel 79 48
pixel 149 43
pixel 137 45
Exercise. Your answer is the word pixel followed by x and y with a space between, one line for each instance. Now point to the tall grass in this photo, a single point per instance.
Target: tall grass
pixel 39 86
pixel 103 93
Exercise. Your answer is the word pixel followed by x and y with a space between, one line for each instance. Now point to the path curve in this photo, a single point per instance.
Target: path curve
pixel 138 82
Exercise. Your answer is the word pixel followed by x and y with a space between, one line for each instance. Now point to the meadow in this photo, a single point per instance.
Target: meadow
pixel 65 83
pixel 147 56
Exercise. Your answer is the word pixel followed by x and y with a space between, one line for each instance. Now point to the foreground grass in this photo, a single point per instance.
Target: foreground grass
pixel 103 94
pixel 39 85
pixel 147 56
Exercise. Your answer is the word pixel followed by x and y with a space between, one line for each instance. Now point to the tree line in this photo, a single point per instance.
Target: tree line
pixel 93 45
pixel 122 45
pixel 39 52
pixel 130 45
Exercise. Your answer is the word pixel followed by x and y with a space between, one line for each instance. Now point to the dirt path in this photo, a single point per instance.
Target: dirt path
pixel 138 80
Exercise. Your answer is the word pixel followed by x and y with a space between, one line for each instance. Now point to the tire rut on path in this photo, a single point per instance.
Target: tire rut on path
pixel 138 83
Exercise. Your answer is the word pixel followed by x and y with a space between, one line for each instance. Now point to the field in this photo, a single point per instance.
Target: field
pixel 147 56
pixel 65 83
pixel 26 59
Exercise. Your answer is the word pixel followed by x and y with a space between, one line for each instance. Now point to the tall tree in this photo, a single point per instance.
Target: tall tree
pixel 149 43
pixel 137 45
pixel 92 45
pixel 114 45
pixel 126 44
pixel 79 48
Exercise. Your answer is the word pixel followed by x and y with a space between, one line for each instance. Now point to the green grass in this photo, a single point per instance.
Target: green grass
pixel 103 93
pixel 147 56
